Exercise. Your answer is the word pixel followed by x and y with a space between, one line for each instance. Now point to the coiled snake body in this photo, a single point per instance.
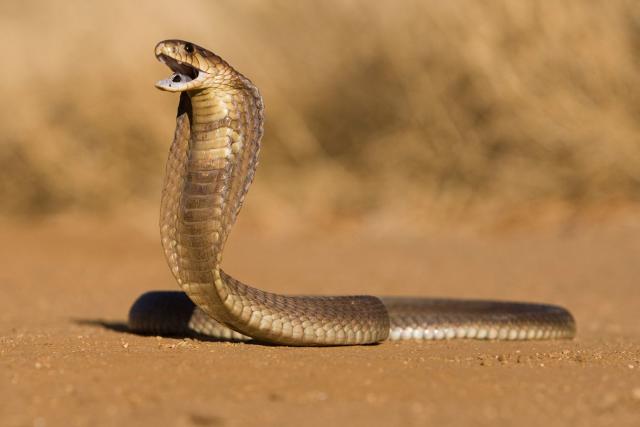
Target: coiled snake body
pixel 210 167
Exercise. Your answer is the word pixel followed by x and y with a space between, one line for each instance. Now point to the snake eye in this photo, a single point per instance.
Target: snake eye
pixel 188 48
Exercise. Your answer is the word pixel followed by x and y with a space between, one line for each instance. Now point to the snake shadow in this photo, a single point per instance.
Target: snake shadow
pixel 123 327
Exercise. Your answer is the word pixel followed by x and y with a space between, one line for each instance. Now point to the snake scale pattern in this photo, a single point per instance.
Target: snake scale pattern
pixel 211 165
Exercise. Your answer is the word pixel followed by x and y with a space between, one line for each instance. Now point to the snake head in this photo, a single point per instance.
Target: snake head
pixel 194 67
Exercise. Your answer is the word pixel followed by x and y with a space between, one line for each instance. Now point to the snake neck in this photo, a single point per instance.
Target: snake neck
pixel 220 152
pixel 210 167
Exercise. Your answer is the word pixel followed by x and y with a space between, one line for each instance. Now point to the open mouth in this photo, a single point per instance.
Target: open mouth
pixel 182 73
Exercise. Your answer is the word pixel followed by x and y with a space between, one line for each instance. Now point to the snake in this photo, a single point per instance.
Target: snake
pixel 211 165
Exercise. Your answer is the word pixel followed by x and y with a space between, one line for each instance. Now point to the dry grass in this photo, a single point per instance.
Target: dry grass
pixel 419 113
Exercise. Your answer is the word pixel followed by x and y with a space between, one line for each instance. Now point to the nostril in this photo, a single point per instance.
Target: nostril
pixel 176 78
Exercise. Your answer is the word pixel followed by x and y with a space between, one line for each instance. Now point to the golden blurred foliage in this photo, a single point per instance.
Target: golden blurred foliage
pixel 408 112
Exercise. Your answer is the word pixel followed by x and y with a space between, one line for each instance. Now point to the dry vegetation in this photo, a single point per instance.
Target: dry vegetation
pixel 414 112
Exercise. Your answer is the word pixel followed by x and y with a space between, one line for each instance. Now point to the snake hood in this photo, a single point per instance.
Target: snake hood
pixel 193 67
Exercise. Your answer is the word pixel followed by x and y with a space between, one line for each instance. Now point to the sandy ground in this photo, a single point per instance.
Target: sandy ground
pixel 66 358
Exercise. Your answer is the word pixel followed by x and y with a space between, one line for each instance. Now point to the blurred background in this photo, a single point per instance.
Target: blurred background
pixel 379 114
pixel 464 148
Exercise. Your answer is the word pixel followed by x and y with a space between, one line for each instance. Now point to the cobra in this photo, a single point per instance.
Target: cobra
pixel 210 167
